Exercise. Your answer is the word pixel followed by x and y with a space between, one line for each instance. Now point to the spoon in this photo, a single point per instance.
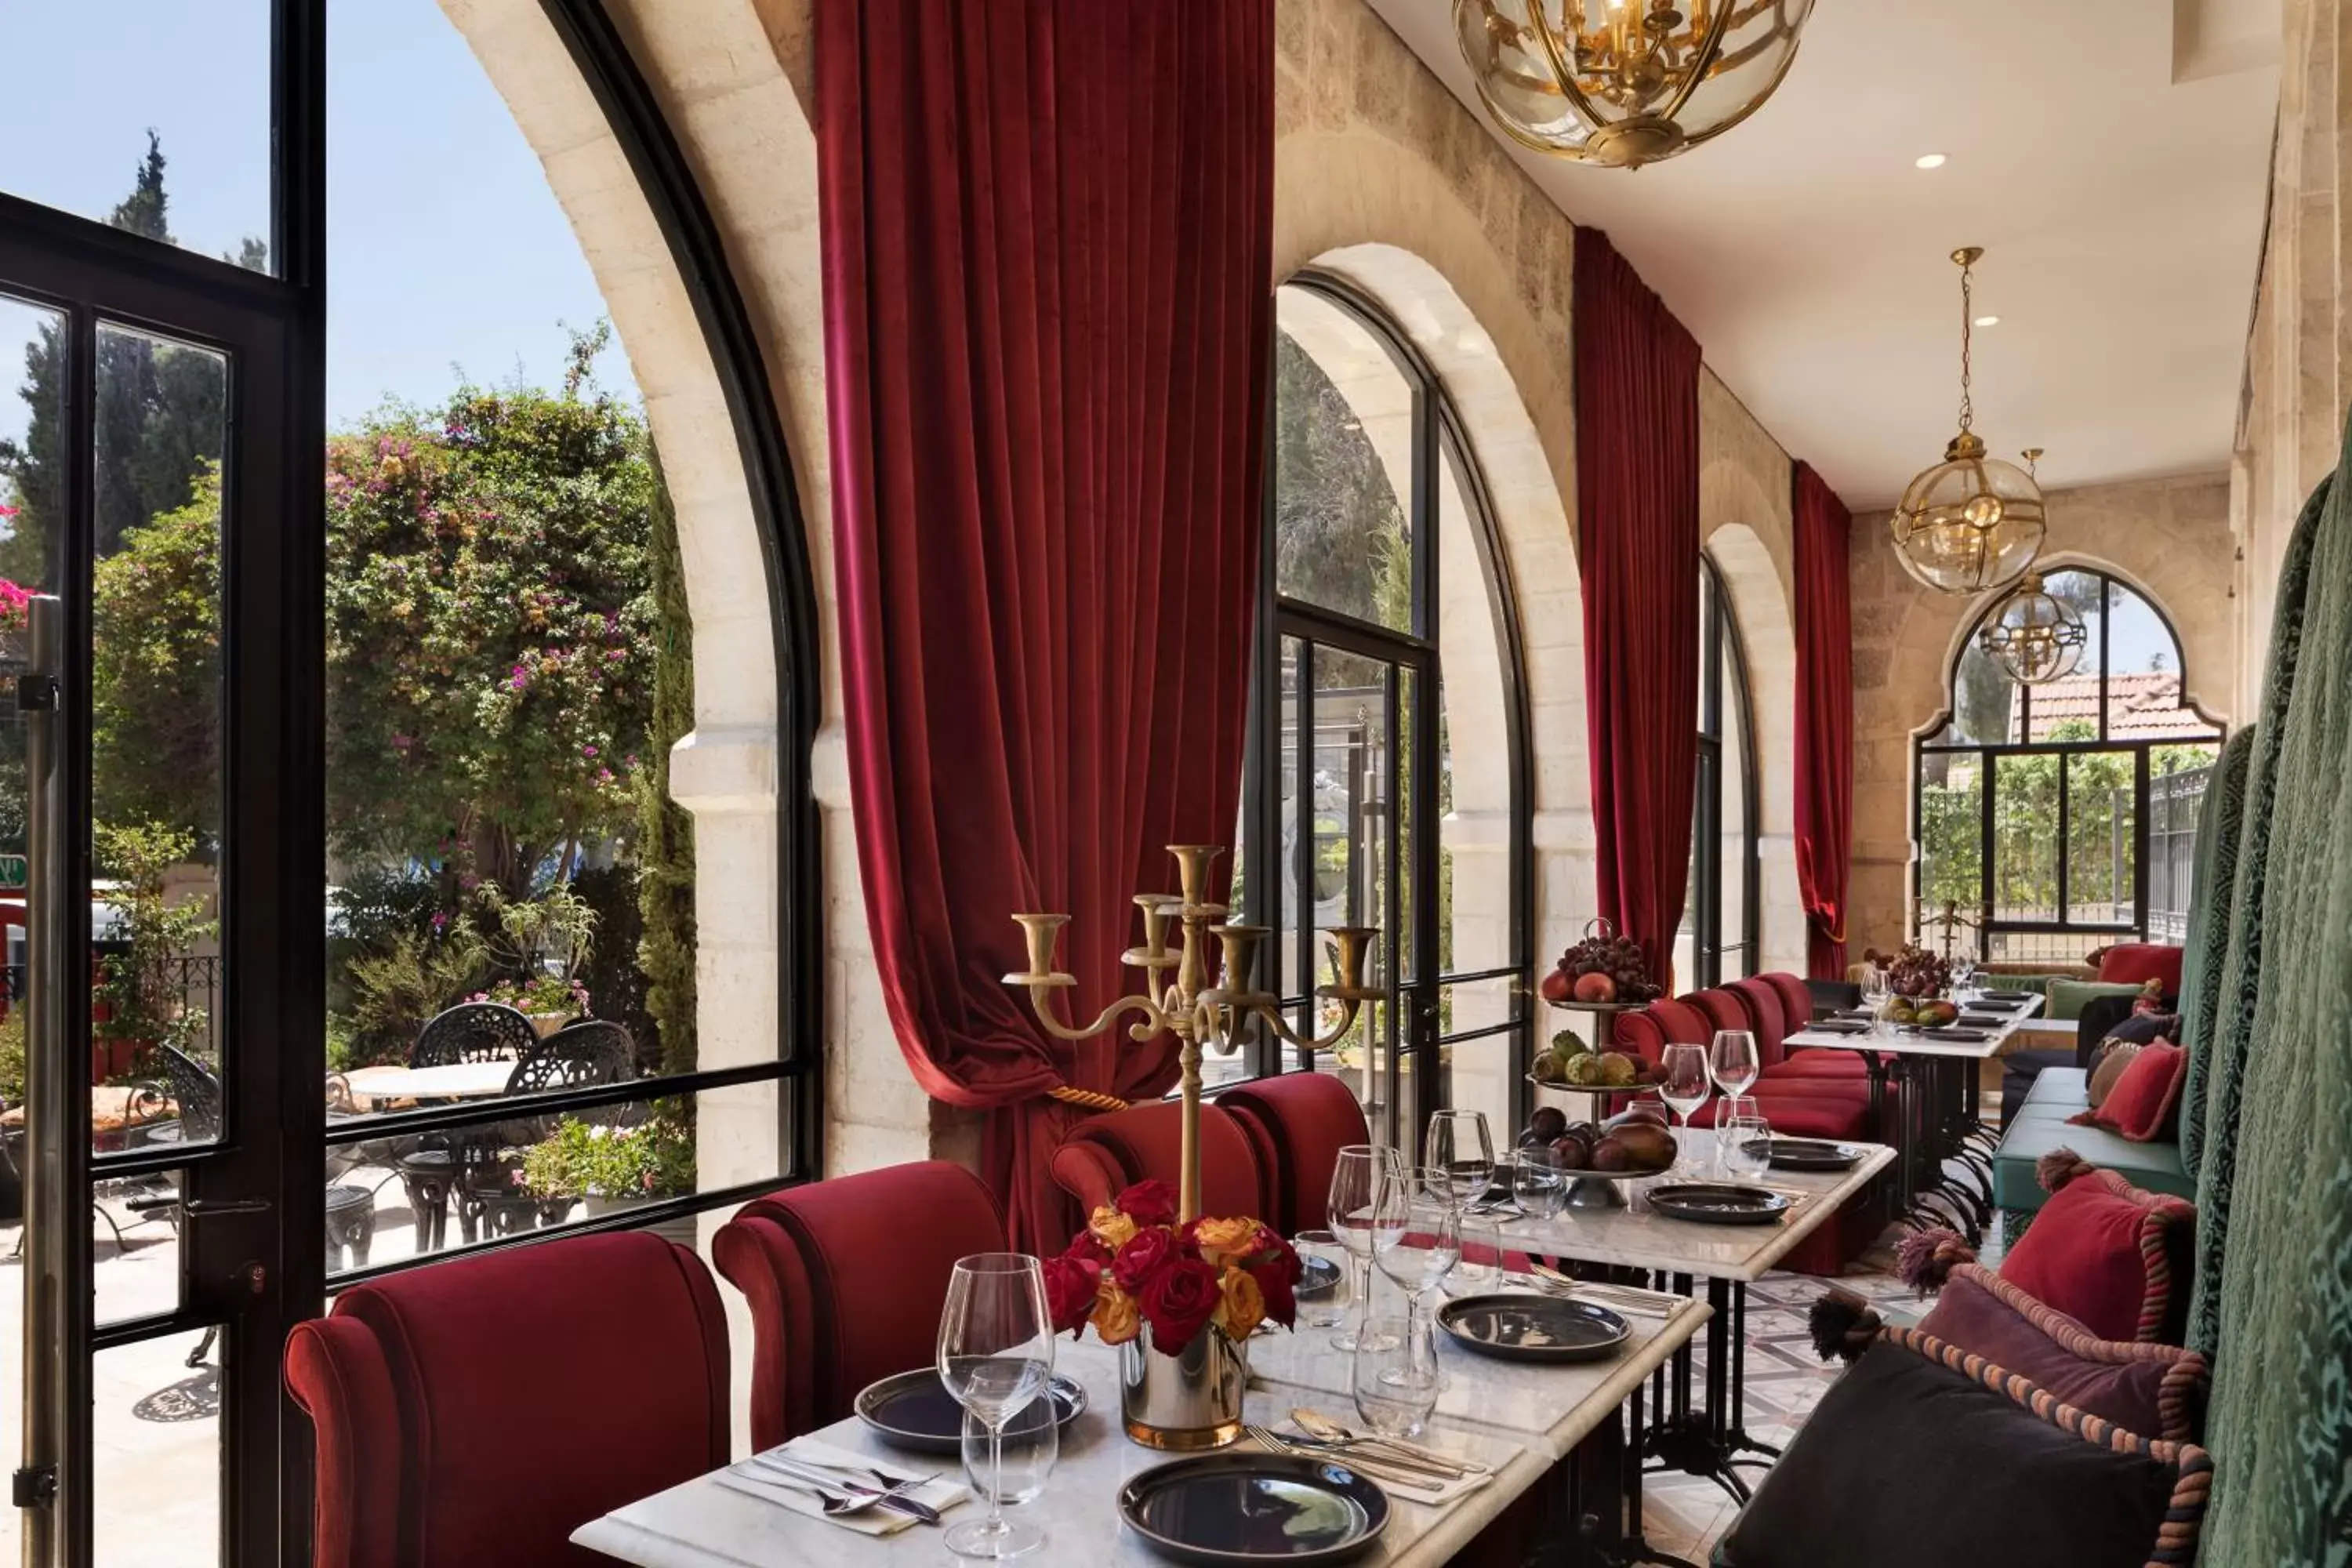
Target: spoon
pixel 1317 1424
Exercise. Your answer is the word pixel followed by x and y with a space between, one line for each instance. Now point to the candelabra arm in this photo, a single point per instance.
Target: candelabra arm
pixel 1273 1017
pixel 1041 999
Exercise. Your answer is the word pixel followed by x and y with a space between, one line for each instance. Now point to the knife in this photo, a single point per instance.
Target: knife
pixel 892 1497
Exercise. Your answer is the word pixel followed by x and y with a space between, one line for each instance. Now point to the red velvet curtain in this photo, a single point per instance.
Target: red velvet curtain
pixel 1047 232
pixel 1824 719
pixel 1637 529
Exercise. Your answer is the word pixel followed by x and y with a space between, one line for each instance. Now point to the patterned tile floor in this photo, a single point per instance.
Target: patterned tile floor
pixel 1684 1516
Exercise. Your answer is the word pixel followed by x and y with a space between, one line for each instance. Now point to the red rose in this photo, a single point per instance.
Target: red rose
pixel 1268 1246
pixel 1070 1289
pixel 1276 1284
pixel 1150 1251
pixel 1177 1300
pixel 1088 1247
pixel 1147 1203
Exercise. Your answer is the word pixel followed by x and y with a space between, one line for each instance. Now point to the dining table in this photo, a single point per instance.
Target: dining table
pixel 1923 1095
pixel 449 1080
pixel 1531 1424
pixel 1699 1429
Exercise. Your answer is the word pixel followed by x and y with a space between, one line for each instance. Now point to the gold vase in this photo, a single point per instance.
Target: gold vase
pixel 1187 1402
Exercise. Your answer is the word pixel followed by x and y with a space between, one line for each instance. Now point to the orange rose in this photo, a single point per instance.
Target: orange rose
pixel 1221 1239
pixel 1115 1316
pixel 1112 1228
pixel 1241 1305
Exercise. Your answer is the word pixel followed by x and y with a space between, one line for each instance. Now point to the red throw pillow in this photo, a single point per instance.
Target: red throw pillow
pixel 2135 962
pixel 2101 1251
pixel 2159 1390
pixel 2141 1105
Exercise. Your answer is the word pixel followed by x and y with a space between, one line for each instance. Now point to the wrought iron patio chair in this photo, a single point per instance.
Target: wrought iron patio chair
pixel 473 1032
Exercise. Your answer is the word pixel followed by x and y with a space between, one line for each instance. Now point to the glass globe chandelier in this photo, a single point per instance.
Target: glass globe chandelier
pixel 1972 522
pixel 1626 82
pixel 2033 637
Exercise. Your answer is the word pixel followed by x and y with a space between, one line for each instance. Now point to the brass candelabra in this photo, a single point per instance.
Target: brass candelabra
pixel 1195 1006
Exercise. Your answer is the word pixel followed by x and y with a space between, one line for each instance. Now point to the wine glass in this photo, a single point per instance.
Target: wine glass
pixel 1685 1090
pixel 995 1354
pixel 1732 1061
pixel 1419 1239
pixel 1460 1155
pixel 1360 1177
pixel 1875 989
pixel 1964 973
pixel 1397 1379
pixel 1022 1462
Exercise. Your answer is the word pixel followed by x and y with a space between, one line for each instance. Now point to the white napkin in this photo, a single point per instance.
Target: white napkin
pixel 1404 1484
pixel 942 1493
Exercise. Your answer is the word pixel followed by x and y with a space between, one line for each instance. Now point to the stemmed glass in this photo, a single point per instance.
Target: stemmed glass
pixel 995 1355
pixel 1420 1241
pixel 1732 1063
pixel 1360 1179
pixel 1459 1156
pixel 1964 973
pixel 1685 1090
pixel 1875 989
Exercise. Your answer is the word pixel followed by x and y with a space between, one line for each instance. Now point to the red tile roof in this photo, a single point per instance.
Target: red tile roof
pixel 2141 705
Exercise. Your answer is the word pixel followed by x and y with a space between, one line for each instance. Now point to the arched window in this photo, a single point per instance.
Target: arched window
pixel 1388 781
pixel 1718 937
pixel 2055 818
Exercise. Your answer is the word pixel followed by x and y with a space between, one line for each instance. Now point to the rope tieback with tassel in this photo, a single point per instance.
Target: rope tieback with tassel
pixel 1085 1098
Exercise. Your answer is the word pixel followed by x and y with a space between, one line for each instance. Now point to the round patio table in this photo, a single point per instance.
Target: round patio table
pixel 451 1080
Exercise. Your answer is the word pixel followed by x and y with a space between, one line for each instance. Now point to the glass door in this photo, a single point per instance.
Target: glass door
pixel 152 828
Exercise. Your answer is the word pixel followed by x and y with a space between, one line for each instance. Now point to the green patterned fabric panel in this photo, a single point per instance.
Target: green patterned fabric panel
pixel 2278 1156
pixel 2240 975
pixel 2210 888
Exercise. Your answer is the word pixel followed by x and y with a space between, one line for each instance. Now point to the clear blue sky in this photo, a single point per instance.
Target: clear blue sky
pixel 446 248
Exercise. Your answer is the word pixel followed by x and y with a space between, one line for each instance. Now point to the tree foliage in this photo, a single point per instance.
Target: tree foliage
pixel 490 629
pixel 665 845
pixel 155 671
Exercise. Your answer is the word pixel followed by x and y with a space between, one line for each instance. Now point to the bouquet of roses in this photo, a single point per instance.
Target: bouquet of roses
pixel 1134 1265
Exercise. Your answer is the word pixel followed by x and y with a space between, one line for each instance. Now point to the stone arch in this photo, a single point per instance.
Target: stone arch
pixel 1768 644
pixel 1538 564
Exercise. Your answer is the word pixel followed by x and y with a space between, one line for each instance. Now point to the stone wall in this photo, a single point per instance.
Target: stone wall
pixel 2299 351
pixel 2171 538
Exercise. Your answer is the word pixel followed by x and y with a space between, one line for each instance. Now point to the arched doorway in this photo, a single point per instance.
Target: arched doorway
pixel 1389 777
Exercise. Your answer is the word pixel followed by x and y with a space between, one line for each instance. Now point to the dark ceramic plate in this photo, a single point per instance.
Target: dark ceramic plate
pixel 1713 1203
pixel 1533 1328
pixel 912 1411
pixel 1218 1510
pixel 2005 995
pixel 1965 1037
pixel 1984 1020
pixel 1841 1026
pixel 1320 1278
pixel 1812 1154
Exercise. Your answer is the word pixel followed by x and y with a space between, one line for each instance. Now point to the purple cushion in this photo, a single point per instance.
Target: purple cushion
pixel 2154 1389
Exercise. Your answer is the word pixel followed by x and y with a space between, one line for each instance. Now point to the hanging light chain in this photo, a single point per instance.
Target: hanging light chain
pixel 1966 258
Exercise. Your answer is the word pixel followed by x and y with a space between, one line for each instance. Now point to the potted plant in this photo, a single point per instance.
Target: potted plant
pixel 549 1001
pixel 610 1167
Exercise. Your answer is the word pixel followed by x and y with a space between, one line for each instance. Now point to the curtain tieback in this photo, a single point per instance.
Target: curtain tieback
pixel 1085 1098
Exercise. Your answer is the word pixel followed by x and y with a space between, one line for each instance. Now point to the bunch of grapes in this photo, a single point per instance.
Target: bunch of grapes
pixel 1603 951
pixel 1915 971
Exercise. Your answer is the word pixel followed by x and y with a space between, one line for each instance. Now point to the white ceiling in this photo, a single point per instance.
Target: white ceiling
pixel 2111 155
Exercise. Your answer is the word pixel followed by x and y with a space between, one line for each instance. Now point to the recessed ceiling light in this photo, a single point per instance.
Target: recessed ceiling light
pixel 1930 160
pixel 1988 320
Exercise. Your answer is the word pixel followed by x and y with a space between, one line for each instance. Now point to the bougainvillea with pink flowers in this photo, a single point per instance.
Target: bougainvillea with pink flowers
pixel 490 629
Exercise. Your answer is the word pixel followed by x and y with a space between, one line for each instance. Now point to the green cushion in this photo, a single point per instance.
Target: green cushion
pixel 2042 1126
pixel 2067 996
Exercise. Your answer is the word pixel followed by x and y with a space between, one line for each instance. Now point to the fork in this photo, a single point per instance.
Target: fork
pixel 893 1494
pixel 835 1504
pixel 1394 1475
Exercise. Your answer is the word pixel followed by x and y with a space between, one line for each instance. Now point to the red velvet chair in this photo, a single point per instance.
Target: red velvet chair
pixel 481 1411
pixel 1795 1001
pixel 1766 1007
pixel 1105 1154
pixel 1296 1122
pixel 845 1279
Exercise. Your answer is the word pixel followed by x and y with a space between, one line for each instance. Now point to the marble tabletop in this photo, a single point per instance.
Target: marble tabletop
pixel 451 1080
pixel 1517 1419
pixel 1897 1042
pixel 1635 1236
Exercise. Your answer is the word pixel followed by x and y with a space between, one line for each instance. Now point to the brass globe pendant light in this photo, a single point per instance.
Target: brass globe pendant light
pixel 1972 522
pixel 2035 635
pixel 1626 82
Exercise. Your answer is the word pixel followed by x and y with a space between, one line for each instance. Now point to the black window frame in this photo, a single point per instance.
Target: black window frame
pixel 1925 744
pixel 1409 938
pixel 1720 647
